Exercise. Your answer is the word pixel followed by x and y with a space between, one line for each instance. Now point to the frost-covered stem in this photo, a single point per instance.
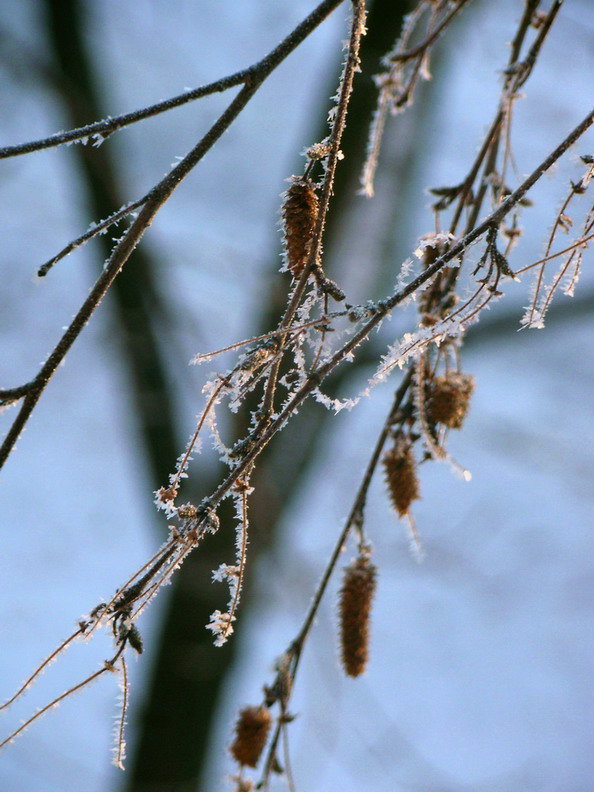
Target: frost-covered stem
pixel 41 667
pixel 90 234
pixel 469 181
pixel 253 74
pixel 530 7
pixel 386 306
pixel 421 48
pixel 376 135
pixel 120 746
pixel 581 241
pixel 24 726
pixel 184 461
pixel 355 516
pixel 396 86
pixel 515 78
pixel 551 239
pixel 11 395
pixel 108 665
pixel 320 321
pixel 287 755
pixel 420 372
pixel 534 51
pixel 153 565
pixel 346 87
pixel 147 594
pixel 154 200
pixel 339 123
pixel 242 553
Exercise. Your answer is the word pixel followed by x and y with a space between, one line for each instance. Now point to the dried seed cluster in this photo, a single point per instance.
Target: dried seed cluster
pixel 449 399
pixel 251 733
pixel 354 607
pixel 299 214
pixel 401 475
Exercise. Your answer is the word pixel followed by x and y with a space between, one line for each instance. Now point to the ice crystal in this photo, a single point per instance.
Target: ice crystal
pixel 221 626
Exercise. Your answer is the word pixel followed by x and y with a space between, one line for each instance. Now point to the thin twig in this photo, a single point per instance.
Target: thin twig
pixel 54 703
pixel 355 516
pixel 253 74
pixel 384 307
pixel 156 198
pixel 345 89
pixel 41 667
pixel 431 38
pixel 97 229
pixel 120 747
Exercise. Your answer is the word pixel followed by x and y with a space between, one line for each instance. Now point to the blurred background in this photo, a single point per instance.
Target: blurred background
pixel 482 657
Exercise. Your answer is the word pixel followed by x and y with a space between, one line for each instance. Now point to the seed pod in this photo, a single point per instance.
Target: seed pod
pixel 251 732
pixel 449 399
pixel 354 608
pixel 401 476
pixel 299 214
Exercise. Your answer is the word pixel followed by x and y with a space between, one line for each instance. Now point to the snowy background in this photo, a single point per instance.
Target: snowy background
pixel 483 656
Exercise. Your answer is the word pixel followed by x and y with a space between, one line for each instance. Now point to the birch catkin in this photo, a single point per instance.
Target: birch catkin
pixel 299 214
pixel 401 476
pixel 354 608
pixel 251 733
pixel 449 399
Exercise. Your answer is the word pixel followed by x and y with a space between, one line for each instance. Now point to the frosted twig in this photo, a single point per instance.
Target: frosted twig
pixel 338 125
pixel 157 196
pixel 54 703
pixel 152 565
pixel 173 565
pixel 253 74
pixel 94 231
pixel 579 243
pixel 396 88
pixel 190 447
pixel 241 557
pixel 355 518
pixel 321 321
pixel 40 668
pixel 120 746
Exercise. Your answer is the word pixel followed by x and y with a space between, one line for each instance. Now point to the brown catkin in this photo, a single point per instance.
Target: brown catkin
pixel 251 732
pixel 449 399
pixel 401 475
pixel 299 214
pixel 354 608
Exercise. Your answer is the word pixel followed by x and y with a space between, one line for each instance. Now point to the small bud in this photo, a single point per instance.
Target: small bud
pixel 165 495
pixel 251 732
pixel 187 511
pixel 401 476
pixel 354 607
pixel 318 151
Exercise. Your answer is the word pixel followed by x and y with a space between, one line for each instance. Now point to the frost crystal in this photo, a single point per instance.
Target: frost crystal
pixel 221 627
pixel 224 571
pixel 335 404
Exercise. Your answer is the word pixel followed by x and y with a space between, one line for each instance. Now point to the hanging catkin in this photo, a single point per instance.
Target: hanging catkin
pixel 449 399
pixel 354 608
pixel 251 732
pixel 401 475
pixel 299 214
